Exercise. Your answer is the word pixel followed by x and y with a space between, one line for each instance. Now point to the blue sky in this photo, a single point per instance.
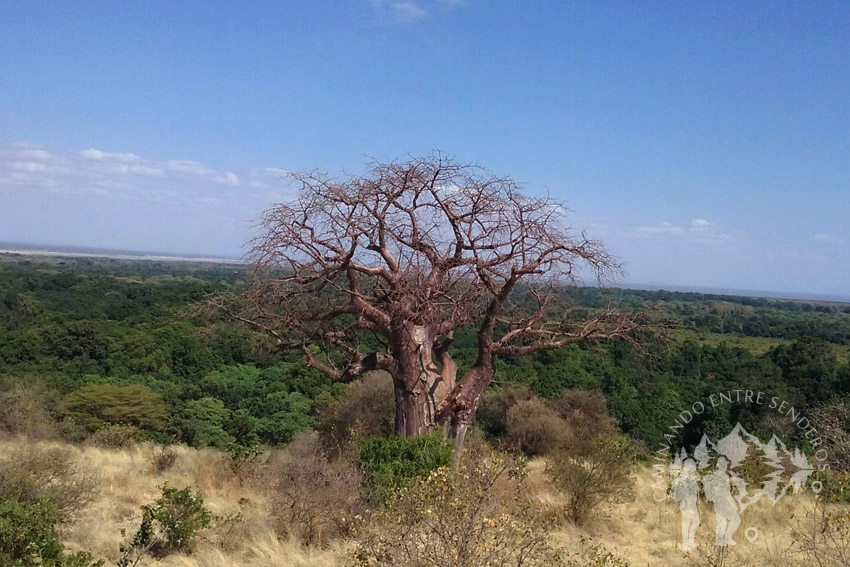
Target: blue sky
pixel 705 143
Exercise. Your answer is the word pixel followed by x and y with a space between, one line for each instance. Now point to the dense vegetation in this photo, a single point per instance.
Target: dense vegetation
pixel 100 343
pixel 113 352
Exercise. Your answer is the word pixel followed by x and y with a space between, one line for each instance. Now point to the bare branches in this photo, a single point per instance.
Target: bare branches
pixel 436 240
pixel 411 252
pixel 535 333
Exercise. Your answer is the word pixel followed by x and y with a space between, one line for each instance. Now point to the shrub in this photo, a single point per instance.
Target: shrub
pixel 832 421
pixel 492 415
pixel 456 519
pixel 34 474
pixel 535 428
pixel 390 462
pixel 314 496
pixel 97 405
pixel 168 525
pixel 27 530
pixel 23 411
pixel 242 426
pixel 601 476
pixel 366 409
pixel 822 537
pixel 28 536
pixel 280 428
pixel 587 416
pixel 117 436
pixel 243 461
pixel 592 554
pixel 162 459
pixel 830 486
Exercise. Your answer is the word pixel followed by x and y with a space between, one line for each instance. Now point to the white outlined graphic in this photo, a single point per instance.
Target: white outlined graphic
pixel 715 471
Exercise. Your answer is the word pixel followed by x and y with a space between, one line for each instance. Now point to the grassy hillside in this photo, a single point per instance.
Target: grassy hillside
pixel 100 353
pixel 642 531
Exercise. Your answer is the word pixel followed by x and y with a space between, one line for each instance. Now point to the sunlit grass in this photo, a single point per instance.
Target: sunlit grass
pixel 644 531
pixel 756 345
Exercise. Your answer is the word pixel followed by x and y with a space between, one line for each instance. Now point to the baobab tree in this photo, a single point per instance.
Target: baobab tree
pixel 404 256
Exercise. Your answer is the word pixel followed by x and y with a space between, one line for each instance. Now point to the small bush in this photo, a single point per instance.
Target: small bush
pixel 28 537
pixel 117 436
pixel 390 462
pixel 535 428
pixel 244 461
pixel 162 459
pixel 168 525
pixel 23 411
pixel 601 476
pixel 592 554
pixel 492 415
pixel 314 496
pixel 53 474
pixel 366 409
pixel 587 417
pixel 832 487
pixel 457 519
pixel 515 416
pixel 27 530
pixel 832 421
pixel 822 537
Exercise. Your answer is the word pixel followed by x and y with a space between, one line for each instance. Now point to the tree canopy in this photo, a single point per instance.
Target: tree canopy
pixel 379 272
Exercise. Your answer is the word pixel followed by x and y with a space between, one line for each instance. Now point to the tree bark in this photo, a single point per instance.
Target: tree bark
pixel 421 387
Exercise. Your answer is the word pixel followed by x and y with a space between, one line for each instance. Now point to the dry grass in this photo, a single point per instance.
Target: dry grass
pixel 129 480
pixel 643 531
pixel 647 532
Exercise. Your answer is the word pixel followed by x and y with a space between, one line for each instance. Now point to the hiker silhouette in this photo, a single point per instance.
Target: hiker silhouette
pixel 685 492
pixel 718 490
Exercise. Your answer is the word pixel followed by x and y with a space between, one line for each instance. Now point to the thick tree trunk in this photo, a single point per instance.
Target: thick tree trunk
pixel 411 417
pixel 421 386
pixel 459 408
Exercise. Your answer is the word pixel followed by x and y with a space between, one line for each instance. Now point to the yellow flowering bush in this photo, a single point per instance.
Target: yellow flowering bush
pixel 476 516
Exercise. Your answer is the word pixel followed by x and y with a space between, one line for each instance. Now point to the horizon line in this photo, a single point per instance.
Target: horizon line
pixel 11 248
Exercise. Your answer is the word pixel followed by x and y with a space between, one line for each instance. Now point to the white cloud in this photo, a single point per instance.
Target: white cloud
pixel 828 238
pixel 409 10
pixel 412 10
pixel 30 166
pixel 145 170
pixel 93 154
pixel 35 153
pixel 113 174
pixel 699 230
pixel 663 228
pixel 94 197
pixel 703 230
pixel 188 167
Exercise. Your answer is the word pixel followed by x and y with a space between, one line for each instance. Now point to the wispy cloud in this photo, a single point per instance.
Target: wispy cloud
pixel 401 11
pixel 112 175
pixel 698 230
pixel 663 228
pixel 407 11
pixel 705 231
pixel 828 238
pixel 94 197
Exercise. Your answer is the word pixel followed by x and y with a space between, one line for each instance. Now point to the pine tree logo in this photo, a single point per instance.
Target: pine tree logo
pixel 734 473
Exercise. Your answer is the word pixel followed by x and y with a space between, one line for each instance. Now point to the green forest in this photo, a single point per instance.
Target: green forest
pixel 100 347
